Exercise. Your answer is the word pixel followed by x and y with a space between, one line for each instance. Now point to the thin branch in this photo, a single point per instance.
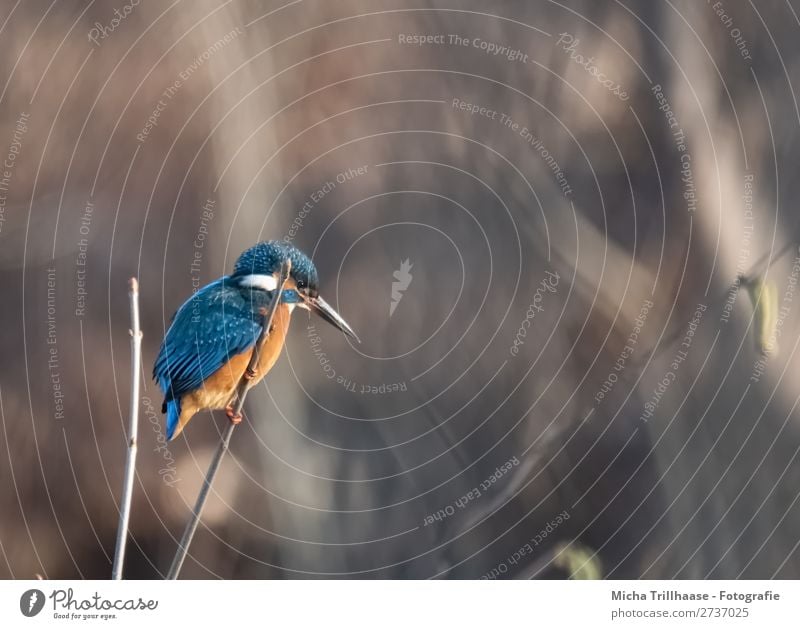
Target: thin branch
pixel 238 399
pixel 133 429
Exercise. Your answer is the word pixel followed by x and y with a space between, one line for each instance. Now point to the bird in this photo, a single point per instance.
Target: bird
pixel 208 345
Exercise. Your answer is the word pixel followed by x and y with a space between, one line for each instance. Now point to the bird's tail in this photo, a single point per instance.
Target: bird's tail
pixel 173 410
pixel 171 406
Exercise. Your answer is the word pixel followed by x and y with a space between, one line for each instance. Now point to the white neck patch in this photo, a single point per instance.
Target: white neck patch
pixel 264 282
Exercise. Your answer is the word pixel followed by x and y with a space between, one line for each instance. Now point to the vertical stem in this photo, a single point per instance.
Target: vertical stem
pixel 239 395
pixel 133 429
pixel 194 520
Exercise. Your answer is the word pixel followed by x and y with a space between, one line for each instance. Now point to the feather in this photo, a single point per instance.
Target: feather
pixel 173 413
pixel 216 323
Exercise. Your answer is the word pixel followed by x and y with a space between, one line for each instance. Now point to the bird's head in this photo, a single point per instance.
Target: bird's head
pixel 259 268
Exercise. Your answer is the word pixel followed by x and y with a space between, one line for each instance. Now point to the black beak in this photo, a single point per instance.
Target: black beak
pixel 321 307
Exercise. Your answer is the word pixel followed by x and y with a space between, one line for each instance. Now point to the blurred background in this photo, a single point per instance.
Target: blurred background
pixel 533 214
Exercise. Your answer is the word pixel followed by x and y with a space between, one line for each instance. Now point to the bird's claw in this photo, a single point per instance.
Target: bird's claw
pixel 236 418
pixel 250 374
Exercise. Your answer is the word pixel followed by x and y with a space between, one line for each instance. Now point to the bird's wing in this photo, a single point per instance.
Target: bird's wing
pixel 215 324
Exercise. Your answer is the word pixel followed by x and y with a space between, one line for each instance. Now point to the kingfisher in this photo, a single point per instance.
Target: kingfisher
pixel 208 346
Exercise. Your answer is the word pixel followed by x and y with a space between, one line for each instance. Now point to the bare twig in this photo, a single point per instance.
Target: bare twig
pixel 238 403
pixel 133 428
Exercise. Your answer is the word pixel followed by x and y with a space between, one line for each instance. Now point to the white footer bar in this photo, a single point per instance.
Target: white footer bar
pixel 389 604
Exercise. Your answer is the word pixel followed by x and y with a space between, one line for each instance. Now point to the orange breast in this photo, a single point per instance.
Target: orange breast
pixel 273 343
pixel 218 389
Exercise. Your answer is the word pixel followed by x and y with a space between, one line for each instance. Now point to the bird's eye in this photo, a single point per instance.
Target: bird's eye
pixel 302 287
